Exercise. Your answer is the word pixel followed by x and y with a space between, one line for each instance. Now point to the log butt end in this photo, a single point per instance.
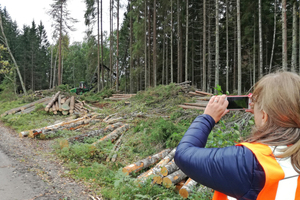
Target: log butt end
pixel 184 193
pixel 164 171
pixel 167 182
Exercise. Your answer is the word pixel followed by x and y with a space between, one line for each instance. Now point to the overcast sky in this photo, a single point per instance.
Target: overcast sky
pixel 25 11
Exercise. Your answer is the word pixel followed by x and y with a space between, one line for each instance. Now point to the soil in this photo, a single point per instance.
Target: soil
pixel 29 171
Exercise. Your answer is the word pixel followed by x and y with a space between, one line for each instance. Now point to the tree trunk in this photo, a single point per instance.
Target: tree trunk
pixel 187 40
pixel 227 48
pixel 174 178
pixel 169 168
pixel 142 164
pixel 59 47
pixel 239 49
pixel 294 48
pixel 52 101
pixel 217 48
pixel 145 43
pixel 274 36
pixel 171 45
pixel 187 188
pixel 260 41
pixel 154 43
pixel 131 51
pixel 113 135
pixel 102 52
pixel 204 47
pixel 254 56
pixel 284 36
pixel 98 45
pixel 118 13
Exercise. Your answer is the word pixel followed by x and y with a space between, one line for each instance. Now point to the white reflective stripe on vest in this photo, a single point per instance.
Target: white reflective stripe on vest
pixel 288 186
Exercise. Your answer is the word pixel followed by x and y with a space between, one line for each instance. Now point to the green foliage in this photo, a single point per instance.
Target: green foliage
pixel 96 97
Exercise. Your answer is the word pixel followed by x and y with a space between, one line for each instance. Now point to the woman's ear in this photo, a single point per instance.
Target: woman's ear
pixel 264 117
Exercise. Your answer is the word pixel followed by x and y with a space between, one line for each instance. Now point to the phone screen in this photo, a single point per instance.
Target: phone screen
pixel 238 102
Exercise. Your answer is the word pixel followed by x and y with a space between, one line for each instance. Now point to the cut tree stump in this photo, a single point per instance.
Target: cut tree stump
pixel 169 168
pixel 173 178
pixel 52 101
pixel 142 164
pixel 95 133
pixel 187 188
pixel 113 135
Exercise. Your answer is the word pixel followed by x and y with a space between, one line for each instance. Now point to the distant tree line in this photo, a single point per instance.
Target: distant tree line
pixel 231 43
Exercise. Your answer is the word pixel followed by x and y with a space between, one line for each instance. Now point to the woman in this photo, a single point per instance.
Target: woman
pixel 266 166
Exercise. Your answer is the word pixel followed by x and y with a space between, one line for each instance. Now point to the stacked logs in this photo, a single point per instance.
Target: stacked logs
pixel 70 125
pixel 202 100
pixel 26 108
pixel 165 172
pixel 65 105
pixel 120 97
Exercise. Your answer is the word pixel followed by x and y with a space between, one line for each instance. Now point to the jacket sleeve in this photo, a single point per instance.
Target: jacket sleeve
pixel 232 170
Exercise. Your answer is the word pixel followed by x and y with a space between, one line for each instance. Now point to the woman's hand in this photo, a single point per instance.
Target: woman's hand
pixel 250 110
pixel 217 107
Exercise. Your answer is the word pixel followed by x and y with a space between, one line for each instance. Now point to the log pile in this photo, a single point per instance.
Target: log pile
pixel 202 100
pixel 165 173
pixel 26 108
pixel 65 105
pixel 70 125
pixel 120 97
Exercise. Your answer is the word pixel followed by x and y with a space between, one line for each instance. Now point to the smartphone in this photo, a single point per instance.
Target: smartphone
pixel 238 102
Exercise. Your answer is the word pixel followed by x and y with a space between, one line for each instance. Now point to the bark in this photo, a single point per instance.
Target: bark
pixel 294 46
pixel 187 40
pixel 204 93
pixel 118 8
pixel 217 47
pixel 131 50
pixel 171 44
pixel 98 46
pixel 115 148
pixel 142 164
pixel 284 36
pixel 227 48
pixel 204 47
pixel 173 178
pixel 59 103
pixel 169 168
pixel 239 49
pixel 187 188
pixel 72 103
pixel 113 135
pixel 191 107
pixel 154 43
pixel 145 44
pixel 52 101
pixel 274 35
pixel 197 104
pixel 260 41
pixel 52 127
pixel 95 133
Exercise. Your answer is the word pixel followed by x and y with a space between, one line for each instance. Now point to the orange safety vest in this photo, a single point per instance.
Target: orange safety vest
pixel 281 179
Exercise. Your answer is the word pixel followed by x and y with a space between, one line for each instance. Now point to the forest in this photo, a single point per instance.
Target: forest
pixel 227 43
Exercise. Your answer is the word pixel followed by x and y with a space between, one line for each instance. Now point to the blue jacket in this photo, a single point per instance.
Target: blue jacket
pixel 232 170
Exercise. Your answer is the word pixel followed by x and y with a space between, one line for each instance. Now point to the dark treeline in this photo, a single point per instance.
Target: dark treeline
pixel 231 43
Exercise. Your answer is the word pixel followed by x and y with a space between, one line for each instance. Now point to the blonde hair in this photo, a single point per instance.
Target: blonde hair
pixel 278 95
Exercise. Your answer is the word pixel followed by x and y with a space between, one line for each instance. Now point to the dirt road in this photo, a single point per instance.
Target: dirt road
pixel 28 171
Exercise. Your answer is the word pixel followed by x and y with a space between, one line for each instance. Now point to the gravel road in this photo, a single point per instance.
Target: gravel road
pixel 28 171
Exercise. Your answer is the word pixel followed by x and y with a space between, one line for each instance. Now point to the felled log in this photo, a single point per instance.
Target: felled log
pixel 191 107
pixel 187 188
pixel 51 127
pixel 112 120
pixel 169 168
pixel 114 157
pixel 113 135
pixel 204 93
pixel 63 100
pixel 204 104
pixel 173 178
pixel 179 185
pixel 195 94
pixel 35 102
pixel 72 104
pixel 115 99
pixel 115 148
pixel 183 83
pixel 59 103
pixel 142 164
pixel 95 133
pixel 203 98
pixel 52 101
